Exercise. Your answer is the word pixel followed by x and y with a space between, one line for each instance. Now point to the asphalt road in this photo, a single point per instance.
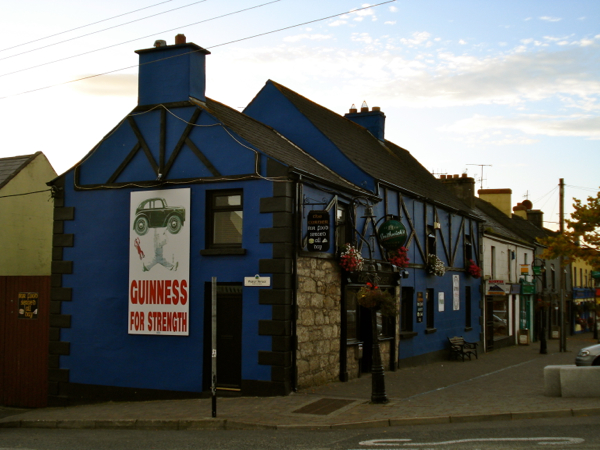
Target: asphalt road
pixel 565 433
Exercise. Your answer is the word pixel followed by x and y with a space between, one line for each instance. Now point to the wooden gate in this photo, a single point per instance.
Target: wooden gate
pixel 24 338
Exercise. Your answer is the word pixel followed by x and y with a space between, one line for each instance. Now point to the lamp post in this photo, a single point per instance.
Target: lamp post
pixel 538 269
pixel 378 394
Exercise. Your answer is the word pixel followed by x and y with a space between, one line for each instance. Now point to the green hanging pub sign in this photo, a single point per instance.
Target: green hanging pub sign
pixel 392 235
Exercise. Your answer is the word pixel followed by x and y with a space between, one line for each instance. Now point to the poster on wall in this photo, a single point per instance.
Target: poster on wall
pixel 440 301
pixel 455 292
pixel 159 259
pixel 420 307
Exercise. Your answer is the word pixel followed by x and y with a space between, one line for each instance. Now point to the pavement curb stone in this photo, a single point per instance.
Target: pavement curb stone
pixel 506 384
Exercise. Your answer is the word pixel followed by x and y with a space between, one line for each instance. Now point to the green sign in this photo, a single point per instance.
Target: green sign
pixel 595 274
pixel 392 235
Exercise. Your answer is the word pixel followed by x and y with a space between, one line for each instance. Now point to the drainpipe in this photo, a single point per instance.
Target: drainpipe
pixel 297 226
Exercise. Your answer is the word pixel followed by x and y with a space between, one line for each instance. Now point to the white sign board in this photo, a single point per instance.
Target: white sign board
pixel 159 262
pixel 455 292
pixel 257 281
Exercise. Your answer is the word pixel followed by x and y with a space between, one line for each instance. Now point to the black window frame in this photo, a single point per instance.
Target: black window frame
pixel 212 208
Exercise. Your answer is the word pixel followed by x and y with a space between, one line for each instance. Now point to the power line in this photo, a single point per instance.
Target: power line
pixel 136 39
pixel 96 32
pixel 82 26
pixel 25 193
pixel 214 46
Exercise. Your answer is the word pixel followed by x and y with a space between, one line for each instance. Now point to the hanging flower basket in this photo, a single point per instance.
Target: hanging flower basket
pixel 435 266
pixel 399 258
pixel 370 296
pixel 473 269
pixel 350 259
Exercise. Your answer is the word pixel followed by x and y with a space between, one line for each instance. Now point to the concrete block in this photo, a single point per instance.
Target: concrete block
pixel 552 381
pixel 581 382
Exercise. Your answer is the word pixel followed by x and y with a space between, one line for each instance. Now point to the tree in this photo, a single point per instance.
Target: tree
pixel 581 239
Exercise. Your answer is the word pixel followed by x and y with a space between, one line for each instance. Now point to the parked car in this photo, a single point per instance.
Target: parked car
pixel 155 213
pixel 588 356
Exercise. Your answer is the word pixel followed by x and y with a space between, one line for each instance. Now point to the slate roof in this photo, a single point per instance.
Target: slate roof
pixel 383 160
pixel 10 167
pixel 515 227
pixel 273 144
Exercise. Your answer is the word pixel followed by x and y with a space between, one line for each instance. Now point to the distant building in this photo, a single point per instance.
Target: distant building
pixel 26 217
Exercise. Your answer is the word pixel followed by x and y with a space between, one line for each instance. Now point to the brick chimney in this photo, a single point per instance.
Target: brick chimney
pixel 526 211
pixel 171 73
pixel 463 187
pixel 500 198
pixel 373 120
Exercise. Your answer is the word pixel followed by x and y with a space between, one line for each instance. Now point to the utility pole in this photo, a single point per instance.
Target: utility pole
pixel 561 278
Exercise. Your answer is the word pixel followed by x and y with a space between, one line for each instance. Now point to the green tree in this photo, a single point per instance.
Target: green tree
pixel 581 239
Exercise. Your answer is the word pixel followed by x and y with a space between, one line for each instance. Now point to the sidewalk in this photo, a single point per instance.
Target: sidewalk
pixel 505 384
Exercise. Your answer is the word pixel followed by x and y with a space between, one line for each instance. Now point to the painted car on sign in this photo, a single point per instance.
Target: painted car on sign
pixel 155 213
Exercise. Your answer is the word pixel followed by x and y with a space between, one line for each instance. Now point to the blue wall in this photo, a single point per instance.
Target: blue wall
pixel 101 350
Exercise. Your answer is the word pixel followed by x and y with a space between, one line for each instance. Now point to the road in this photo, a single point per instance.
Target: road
pixel 568 433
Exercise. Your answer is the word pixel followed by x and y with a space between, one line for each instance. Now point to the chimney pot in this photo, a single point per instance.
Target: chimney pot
pixel 180 39
pixel 353 109
pixel 160 43
pixel 442 177
pixel 364 107
pixel 375 108
pixel 464 175
pixel 455 175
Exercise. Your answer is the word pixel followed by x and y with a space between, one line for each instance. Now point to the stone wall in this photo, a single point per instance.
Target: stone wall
pixel 319 322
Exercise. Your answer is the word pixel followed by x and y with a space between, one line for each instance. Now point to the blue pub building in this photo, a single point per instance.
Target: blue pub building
pixel 187 200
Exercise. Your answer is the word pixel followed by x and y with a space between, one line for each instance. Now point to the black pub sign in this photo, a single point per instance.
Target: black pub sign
pixel 28 305
pixel 318 227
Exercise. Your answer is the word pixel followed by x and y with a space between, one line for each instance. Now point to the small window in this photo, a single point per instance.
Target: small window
pixel 225 219
pixel 467 306
pixel 431 241
pixel 406 309
pixel 468 247
pixel 430 308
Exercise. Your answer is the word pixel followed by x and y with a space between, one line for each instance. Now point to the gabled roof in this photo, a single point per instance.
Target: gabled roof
pixel 273 144
pixel 515 227
pixel 10 167
pixel 499 224
pixel 383 160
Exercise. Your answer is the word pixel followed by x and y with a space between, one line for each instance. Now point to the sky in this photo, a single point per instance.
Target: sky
pixel 505 91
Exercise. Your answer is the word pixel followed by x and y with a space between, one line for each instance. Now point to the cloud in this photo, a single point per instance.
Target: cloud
pixel 550 19
pixel 310 37
pixel 119 85
pixel 497 129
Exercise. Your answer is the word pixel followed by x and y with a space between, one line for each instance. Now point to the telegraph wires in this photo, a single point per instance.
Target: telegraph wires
pixel 214 46
pixel 133 40
pixel 82 26
pixel 96 32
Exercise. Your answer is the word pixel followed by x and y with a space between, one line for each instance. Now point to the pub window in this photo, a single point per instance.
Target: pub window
pixel 351 315
pixel 468 247
pixel 468 307
pixel 225 219
pixel 431 247
pixel 406 309
pixel 493 262
pixel 342 230
pixel 430 308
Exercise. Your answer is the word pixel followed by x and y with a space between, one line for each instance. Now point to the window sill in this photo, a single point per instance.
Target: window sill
pixel 223 251
pixel 468 328
pixel 407 334
pixel 430 330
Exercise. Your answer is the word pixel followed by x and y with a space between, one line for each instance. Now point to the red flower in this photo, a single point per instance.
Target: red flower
pixel 399 257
